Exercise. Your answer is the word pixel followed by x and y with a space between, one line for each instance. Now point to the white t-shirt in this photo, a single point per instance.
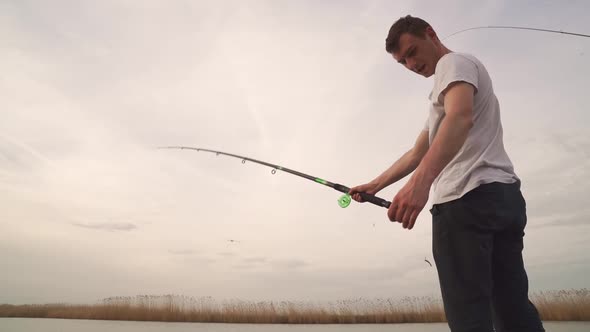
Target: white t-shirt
pixel 482 158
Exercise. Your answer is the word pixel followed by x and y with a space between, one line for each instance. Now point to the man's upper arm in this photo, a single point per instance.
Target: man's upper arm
pixel 458 99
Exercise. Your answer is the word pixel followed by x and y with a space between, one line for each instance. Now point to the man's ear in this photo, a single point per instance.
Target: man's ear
pixel 431 33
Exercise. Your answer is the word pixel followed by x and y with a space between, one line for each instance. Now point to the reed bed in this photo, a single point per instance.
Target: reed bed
pixel 563 305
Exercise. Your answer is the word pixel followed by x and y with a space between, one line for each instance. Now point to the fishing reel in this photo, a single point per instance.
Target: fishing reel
pixel 344 200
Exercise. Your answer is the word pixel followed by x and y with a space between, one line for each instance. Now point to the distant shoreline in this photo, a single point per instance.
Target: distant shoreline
pixel 561 305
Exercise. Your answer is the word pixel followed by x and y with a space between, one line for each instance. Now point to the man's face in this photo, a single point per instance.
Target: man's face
pixel 417 54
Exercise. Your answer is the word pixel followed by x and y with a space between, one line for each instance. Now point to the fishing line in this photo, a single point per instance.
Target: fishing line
pixel 519 28
pixel 343 201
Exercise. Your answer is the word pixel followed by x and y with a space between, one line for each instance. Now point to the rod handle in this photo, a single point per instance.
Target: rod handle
pixel 375 200
pixel 366 197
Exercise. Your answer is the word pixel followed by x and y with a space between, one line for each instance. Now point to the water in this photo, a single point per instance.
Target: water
pixel 72 325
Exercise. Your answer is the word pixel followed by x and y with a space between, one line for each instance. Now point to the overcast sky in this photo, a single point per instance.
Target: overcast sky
pixel 90 209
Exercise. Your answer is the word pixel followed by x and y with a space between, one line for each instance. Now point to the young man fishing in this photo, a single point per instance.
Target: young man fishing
pixel 478 211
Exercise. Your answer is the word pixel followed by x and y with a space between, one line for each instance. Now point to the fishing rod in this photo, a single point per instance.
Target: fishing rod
pixel 343 201
pixel 519 28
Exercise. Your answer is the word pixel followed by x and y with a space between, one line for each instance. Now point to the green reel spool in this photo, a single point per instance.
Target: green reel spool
pixel 344 200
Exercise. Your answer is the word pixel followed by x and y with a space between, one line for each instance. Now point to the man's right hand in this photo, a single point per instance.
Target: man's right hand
pixel 369 188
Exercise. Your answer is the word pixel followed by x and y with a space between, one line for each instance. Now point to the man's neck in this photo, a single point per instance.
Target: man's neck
pixel 442 51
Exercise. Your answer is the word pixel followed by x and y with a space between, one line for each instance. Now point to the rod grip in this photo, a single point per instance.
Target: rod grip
pixel 366 197
pixel 375 200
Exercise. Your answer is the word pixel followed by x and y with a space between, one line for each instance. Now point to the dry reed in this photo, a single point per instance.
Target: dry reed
pixel 564 305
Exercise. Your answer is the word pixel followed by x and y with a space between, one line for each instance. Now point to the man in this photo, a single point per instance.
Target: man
pixel 478 211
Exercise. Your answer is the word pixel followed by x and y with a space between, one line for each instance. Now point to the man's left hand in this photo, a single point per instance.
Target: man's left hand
pixel 408 203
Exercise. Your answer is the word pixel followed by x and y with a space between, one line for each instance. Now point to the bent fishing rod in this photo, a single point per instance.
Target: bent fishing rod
pixel 520 28
pixel 343 201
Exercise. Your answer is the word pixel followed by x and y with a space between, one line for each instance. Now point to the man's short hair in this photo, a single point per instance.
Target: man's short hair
pixel 408 24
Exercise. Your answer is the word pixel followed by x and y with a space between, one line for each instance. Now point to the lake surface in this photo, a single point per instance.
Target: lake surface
pixel 75 325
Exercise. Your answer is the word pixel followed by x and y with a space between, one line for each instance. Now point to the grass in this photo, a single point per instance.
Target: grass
pixel 563 305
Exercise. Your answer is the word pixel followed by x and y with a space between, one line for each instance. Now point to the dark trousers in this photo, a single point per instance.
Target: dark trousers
pixel 477 246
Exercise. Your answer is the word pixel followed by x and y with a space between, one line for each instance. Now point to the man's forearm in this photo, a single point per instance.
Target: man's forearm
pixel 402 167
pixel 450 138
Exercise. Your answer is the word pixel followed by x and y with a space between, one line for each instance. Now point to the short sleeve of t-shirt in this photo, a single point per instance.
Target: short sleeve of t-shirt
pixel 454 68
